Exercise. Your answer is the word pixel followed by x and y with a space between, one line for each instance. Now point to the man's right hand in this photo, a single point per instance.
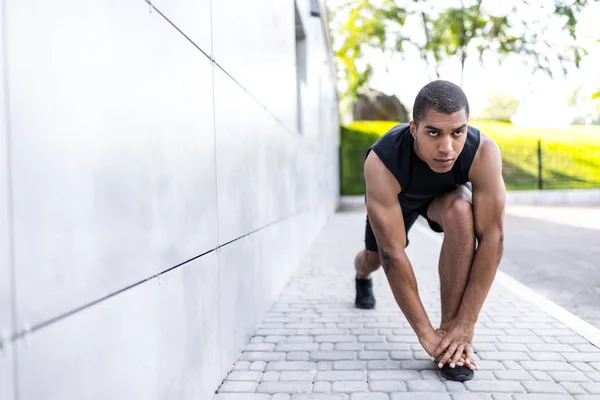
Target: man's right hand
pixel 431 341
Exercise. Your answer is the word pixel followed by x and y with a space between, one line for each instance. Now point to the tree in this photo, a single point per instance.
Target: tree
pixel 501 107
pixel 449 33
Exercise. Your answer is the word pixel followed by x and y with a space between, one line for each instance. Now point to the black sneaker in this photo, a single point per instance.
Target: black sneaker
pixel 364 294
pixel 458 373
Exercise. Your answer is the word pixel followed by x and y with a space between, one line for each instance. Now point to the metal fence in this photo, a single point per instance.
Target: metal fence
pixel 535 164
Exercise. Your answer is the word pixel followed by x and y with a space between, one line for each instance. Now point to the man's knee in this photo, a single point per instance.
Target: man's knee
pixel 369 259
pixel 458 211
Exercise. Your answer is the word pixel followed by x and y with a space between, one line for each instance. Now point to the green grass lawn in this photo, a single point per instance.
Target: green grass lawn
pixel 570 157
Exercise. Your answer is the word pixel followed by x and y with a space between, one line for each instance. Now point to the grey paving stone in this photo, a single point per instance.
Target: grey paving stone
pixel 369 396
pixel 399 375
pixel 238 386
pixel 270 376
pixel 383 364
pixel 324 365
pixel 595 376
pixel 275 339
pixel 434 375
pixel 241 365
pixel 541 376
pixel 487 347
pixel 241 396
pixel 556 348
pixel 494 386
pixel 584 357
pixel 373 355
pixel 299 339
pixel 595 365
pixel 572 340
pixel 349 365
pixel 554 332
pixel 503 355
pixel 387 386
pixel 545 356
pixel 322 387
pixel 335 338
pixel 593 388
pixel 542 387
pixel 418 365
pixel 321 396
pixel 511 347
pixel 371 338
pixel 587 348
pixel 549 339
pixel 542 396
pixel 584 367
pixel 341 376
pixel 281 396
pixel 350 346
pixel 297 347
pixel 253 376
pixel 328 346
pixel 290 366
pixel 570 376
pixel 349 386
pixel 513 375
pixel 512 365
pixel 572 388
pixel 547 366
pixel 519 339
pixel 284 387
pixel 297 376
pixel 420 396
pixel 389 347
pixel 401 355
pixel 258 366
pixel 586 397
pixel 332 355
pixel 490 365
pixel 262 356
pixel 298 356
pixel 329 331
pixel 257 339
pixel 484 375
pixel 425 386
pixel 471 396
pixel 455 387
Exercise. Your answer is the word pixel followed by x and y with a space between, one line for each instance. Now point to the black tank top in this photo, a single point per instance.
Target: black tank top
pixel 419 183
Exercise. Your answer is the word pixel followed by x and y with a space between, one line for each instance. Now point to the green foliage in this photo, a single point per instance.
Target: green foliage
pixel 447 33
pixel 570 158
pixel 366 26
pixel 500 107
pixel 355 141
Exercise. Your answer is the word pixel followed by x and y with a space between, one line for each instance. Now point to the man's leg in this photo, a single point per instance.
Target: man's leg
pixel 366 262
pixel 454 213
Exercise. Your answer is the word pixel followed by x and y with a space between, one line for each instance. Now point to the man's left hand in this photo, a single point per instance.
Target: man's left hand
pixel 457 340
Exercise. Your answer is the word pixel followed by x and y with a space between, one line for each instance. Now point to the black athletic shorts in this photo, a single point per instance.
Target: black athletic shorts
pixel 410 216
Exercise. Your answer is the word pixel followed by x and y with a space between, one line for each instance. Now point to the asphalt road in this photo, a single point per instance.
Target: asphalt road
pixel 556 251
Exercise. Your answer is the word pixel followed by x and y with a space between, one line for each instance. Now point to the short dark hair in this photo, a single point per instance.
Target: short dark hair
pixel 442 96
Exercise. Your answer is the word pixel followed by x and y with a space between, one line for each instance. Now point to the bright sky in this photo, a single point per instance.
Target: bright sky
pixel 543 101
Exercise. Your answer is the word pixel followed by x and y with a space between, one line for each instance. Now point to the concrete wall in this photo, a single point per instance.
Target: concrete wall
pixel 155 192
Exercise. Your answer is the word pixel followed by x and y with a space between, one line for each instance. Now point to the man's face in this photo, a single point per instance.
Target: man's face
pixel 440 138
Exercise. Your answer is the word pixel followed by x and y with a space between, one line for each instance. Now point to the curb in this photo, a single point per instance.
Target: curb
pixel 570 320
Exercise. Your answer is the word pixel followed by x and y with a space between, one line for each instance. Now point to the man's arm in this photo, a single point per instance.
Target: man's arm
pixel 385 216
pixel 489 195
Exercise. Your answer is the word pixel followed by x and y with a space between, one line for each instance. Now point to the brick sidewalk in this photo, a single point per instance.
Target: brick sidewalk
pixel 313 343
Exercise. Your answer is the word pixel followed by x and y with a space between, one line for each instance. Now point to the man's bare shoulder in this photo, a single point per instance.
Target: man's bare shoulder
pixel 377 176
pixel 487 155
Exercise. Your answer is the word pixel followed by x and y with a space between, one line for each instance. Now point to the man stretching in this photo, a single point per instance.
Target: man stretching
pixel 449 173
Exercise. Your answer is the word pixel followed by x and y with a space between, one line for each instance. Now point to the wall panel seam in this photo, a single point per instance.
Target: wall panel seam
pixel 22 333
pixel 9 193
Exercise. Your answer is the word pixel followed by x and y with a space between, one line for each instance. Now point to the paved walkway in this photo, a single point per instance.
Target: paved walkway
pixel 313 344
